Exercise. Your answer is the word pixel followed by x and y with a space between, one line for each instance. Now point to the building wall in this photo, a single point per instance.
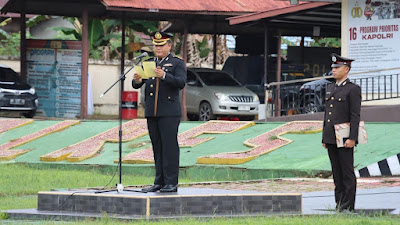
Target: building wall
pixel 103 76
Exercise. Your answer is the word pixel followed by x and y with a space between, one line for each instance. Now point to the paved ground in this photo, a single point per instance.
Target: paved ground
pixel 302 185
pixel 374 195
pixel 368 201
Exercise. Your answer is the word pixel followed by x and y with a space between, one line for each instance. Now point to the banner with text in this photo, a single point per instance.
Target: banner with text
pixel 54 69
pixel 373 41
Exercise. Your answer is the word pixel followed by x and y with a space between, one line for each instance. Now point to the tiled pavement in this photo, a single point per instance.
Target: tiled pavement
pixel 378 200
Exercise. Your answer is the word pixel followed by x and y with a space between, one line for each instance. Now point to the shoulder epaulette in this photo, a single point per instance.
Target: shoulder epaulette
pixel 177 57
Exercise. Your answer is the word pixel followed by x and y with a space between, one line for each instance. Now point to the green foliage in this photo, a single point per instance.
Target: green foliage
pixel 35 20
pixel 3 216
pixel 97 34
pixel 287 42
pixel 101 34
pixel 178 45
pixel 327 42
pixel 11 45
pixel 318 42
pixel 203 47
pixel 143 26
pixel 4 34
pixel 273 137
pixel 105 33
pixel 67 33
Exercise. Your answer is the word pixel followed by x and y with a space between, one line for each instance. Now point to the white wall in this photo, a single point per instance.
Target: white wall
pixel 13 64
pixel 103 76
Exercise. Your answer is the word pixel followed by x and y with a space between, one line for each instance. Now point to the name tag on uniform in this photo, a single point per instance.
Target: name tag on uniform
pixel 328 93
pixel 168 64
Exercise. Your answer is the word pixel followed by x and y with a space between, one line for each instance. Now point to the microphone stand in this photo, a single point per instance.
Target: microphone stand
pixel 121 79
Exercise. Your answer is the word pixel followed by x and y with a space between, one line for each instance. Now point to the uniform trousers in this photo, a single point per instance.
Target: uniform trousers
pixel 163 133
pixel 342 162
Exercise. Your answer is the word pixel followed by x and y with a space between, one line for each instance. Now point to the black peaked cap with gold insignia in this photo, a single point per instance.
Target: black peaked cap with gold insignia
pixel 338 61
pixel 160 38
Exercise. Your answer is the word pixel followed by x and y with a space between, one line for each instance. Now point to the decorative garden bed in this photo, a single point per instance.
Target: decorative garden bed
pixel 8 124
pixel 264 143
pixel 5 150
pixel 92 146
pixel 190 138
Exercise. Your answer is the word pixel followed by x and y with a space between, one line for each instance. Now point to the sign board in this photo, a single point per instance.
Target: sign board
pixel 54 69
pixel 373 38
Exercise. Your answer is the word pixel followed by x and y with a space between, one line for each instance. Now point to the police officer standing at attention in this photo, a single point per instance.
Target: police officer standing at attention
pixel 342 105
pixel 163 111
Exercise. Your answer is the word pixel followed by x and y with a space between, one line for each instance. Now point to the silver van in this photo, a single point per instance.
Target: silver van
pixel 213 93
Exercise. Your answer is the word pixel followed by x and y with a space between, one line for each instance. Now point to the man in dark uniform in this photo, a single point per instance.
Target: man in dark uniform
pixel 163 111
pixel 342 105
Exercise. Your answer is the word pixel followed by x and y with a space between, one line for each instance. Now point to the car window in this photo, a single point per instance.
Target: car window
pixel 190 77
pixel 218 79
pixel 192 80
pixel 7 75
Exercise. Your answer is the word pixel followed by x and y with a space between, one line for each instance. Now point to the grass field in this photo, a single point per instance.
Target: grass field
pixel 20 184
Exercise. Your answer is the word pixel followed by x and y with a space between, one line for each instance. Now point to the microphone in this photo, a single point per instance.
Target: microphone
pixel 141 56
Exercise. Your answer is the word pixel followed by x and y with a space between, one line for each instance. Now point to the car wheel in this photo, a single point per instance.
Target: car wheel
pixel 310 107
pixel 29 114
pixel 205 112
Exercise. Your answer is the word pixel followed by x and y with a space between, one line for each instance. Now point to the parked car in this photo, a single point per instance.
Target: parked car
pixel 212 93
pixel 16 96
pixel 312 95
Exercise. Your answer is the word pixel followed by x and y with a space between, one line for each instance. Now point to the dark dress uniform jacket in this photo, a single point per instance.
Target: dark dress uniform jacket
pixel 168 103
pixel 163 125
pixel 342 105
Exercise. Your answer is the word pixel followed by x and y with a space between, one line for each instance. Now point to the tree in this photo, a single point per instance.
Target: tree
pixel 10 43
pixel 105 35
pixel 326 42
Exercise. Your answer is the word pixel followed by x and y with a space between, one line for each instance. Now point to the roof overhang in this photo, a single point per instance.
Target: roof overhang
pixel 70 8
pixel 297 19
pixel 274 13
pixel 220 21
pixel 293 2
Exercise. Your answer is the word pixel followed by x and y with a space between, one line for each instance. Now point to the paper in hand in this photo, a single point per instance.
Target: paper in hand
pixel 148 68
pixel 139 70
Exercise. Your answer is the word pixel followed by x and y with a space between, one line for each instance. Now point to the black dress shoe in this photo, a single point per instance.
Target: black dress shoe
pixel 153 188
pixel 169 188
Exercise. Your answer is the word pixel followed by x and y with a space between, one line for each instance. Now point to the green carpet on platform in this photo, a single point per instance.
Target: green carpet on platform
pixel 304 157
